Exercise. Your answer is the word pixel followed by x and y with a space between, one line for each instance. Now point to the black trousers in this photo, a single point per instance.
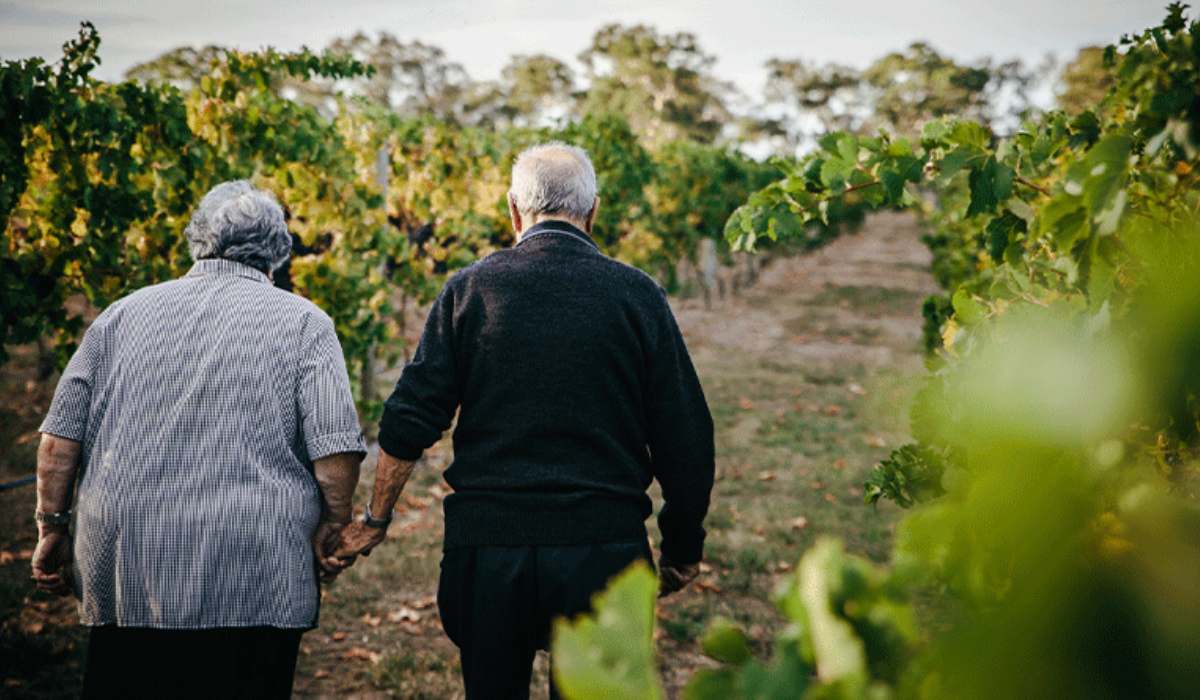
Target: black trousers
pixel 136 662
pixel 497 604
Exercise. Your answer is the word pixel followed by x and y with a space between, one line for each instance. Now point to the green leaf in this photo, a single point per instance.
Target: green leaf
pixel 847 148
pixel 838 652
pixel 967 311
pixel 956 160
pixel 725 642
pixel 712 684
pixel 1000 231
pixel 969 133
pixel 990 184
pixel 1065 218
pixel 610 652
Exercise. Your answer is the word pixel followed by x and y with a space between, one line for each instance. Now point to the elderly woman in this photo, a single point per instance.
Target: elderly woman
pixel 211 424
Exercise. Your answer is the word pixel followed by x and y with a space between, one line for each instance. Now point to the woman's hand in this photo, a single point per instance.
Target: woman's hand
pixel 324 541
pixel 52 562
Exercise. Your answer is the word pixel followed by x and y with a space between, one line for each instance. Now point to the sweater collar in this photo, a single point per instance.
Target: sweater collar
pixel 561 228
pixel 221 267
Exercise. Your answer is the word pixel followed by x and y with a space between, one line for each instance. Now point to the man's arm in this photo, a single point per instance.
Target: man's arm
pixel 681 450
pixel 415 416
pixel 391 474
pixel 57 466
pixel 337 476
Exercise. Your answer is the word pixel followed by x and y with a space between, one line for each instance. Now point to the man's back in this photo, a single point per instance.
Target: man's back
pixel 575 392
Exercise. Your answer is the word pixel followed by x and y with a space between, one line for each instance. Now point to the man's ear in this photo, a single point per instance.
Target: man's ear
pixel 591 217
pixel 515 216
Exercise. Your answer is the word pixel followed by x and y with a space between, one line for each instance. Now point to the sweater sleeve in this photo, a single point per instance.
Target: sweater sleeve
pixel 423 403
pixel 680 442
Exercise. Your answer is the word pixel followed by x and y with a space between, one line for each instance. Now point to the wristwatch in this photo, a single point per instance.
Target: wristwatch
pixel 60 519
pixel 370 520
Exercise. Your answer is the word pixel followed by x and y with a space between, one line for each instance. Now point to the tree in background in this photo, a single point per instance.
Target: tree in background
pixel 913 86
pixel 1084 81
pixel 815 99
pixel 662 83
pixel 182 67
pixel 411 78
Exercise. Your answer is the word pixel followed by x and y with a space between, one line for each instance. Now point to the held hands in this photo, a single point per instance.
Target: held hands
pixel 52 562
pixel 358 538
pixel 324 542
pixel 674 577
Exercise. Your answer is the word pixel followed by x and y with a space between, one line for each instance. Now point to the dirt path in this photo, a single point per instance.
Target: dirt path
pixel 805 373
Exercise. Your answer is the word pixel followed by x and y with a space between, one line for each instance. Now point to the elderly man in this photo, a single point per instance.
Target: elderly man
pixel 211 421
pixel 575 392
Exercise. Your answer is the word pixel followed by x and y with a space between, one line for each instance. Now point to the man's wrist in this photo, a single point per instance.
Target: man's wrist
pixel 372 520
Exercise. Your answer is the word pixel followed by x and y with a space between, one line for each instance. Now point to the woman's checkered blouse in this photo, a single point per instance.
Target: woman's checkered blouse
pixel 201 404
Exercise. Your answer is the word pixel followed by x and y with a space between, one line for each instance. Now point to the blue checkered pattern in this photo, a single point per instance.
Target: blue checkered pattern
pixel 201 404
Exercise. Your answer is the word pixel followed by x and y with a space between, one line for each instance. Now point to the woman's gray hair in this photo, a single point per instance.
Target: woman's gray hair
pixel 554 178
pixel 239 222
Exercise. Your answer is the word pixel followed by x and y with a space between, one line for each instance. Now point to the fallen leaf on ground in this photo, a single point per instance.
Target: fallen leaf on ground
pixel 371 620
pixel 875 441
pixel 337 636
pixel 416 502
pixel 708 586
pixel 783 566
pixel 33 628
pixel 404 614
pixel 422 603
pixel 830 498
pixel 839 463
pixel 411 628
pixel 766 476
pixel 759 530
pixel 745 404
pixel 816 486
pixel 705 568
pixel 857 390
pixel 833 410
pixel 799 523
pixel 320 673
pixel 362 654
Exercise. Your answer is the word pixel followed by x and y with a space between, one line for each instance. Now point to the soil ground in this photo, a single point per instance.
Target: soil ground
pixel 807 374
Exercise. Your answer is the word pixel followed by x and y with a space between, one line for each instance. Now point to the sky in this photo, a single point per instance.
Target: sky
pixel 481 35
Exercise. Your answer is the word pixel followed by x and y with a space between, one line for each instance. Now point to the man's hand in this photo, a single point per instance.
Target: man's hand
pixel 324 541
pixel 673 577
pixel 52 562
pixel 358 538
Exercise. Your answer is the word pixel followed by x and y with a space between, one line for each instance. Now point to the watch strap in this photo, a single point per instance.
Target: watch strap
pixel 370 520
pixel 59 519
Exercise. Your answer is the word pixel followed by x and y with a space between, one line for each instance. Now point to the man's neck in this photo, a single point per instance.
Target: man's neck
pixel 550 220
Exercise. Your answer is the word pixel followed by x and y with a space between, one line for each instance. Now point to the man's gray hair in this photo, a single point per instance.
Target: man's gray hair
pixel 554 178
pixel 239 222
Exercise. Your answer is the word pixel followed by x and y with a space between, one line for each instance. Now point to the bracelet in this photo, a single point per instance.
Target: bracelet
pixel 60 519
pixel 371 521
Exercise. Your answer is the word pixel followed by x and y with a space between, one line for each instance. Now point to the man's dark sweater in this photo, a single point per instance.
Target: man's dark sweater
pixel 576 391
